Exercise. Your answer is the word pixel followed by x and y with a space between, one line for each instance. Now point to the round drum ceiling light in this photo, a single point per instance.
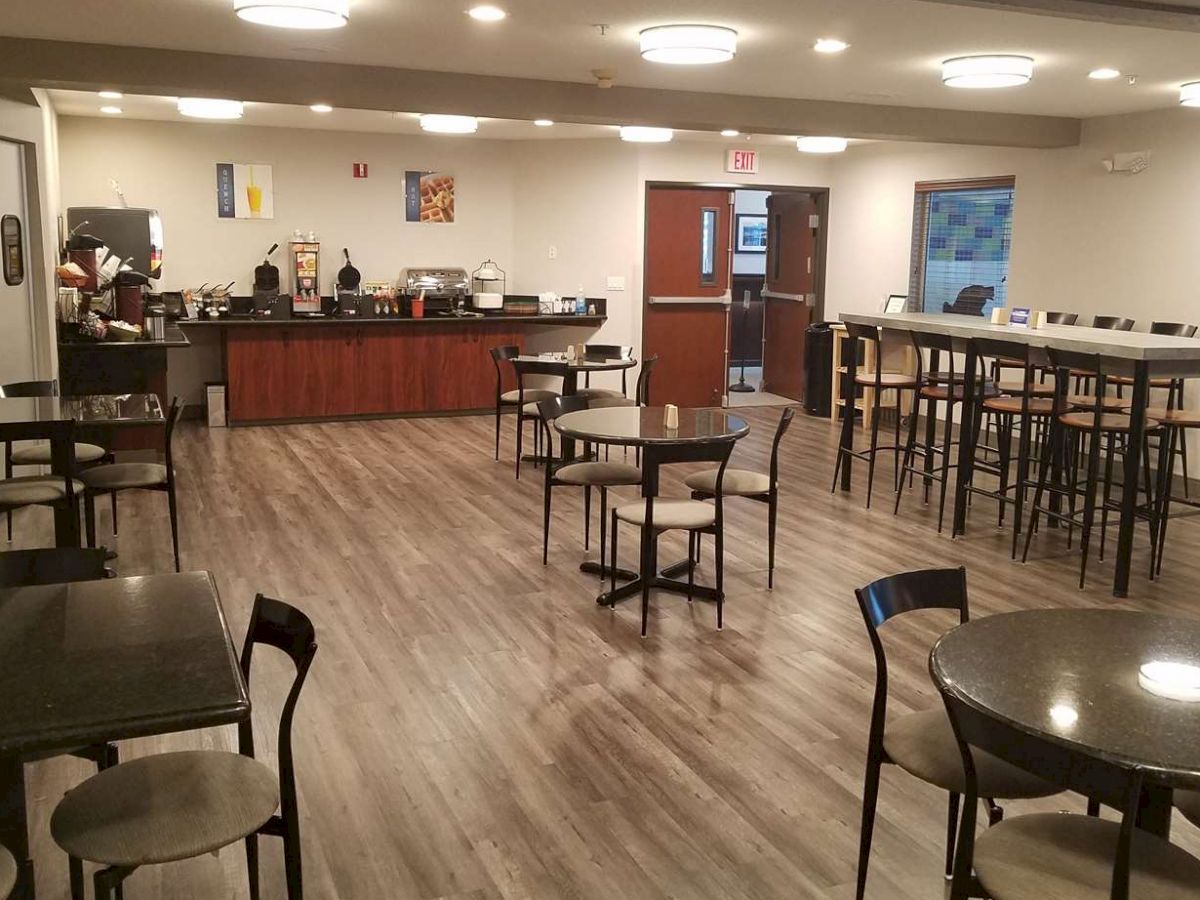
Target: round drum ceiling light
pixel 643 134
pixel 439 124
pixel 987 71
pixel 310 15
pixel 543 123
pixel 829 45
pixel 730 133
pixel 208 108
pixel 1104 74
pixel 1189 94
pixel 688 45
pixel 821 144
pixel 487 13
pixel 321 108
pixel 111 110
pixel 110 95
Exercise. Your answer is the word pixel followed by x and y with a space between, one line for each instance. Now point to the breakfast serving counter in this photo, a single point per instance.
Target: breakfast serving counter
pixel 279 370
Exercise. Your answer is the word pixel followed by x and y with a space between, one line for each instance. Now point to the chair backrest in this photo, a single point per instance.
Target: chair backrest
pixel 1174 329
pixel 1073 770
pixel 60 433
pixel 654 456
pixel 549 410
pixel 500 354
pixel 173 414
pixel 51 565
pixel 1113 323
pixel 1061 318
pixel 29 389
pixel 642 388
pixel 936 344
pixel 1029 357
pixel 895 595
pixel 286 628
pixel 785 421
pixel 608 351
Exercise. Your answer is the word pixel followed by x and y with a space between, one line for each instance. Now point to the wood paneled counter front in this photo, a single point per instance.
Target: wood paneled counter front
pixel 281 369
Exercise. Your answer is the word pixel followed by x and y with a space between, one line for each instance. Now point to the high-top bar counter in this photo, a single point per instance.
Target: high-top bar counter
pixel 280 370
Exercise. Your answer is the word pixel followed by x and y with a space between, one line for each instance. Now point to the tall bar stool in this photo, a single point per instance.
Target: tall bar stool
pixel 923 743
pixel 566 469
pixel 1022 409
pixel 1173 386
pixel 515 398
pixel 948 390
pixel 605 351
pixel 752 485
pixel 38 453
pixel 1052 318
pixel 1109 323
pixel 1176 423
pixel 1101 430
pixel 879 381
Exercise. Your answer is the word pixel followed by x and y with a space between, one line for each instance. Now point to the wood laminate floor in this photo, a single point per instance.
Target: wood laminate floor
pixel 475 727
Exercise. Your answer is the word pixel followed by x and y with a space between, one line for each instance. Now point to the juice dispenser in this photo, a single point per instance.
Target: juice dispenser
pixel 306 273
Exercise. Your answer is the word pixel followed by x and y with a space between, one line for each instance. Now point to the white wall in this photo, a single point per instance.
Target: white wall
pixel 171 166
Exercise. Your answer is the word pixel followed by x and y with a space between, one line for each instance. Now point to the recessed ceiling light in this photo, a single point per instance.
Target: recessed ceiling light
pixel 995 71
pixel 440 124
pixel 821 144
pixel 543 123
pixel 110 95
pixel 321 108
pixel 730 132
pixel 486 13
pixel 1189 94
pixel 1104 74
pixel 309 15
pixel 688 45
pixel 829 45
pixel 207 108
pixel 642 134
pixel 111 110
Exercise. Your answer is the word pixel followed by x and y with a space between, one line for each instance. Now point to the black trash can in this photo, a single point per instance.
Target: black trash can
pixel 818 366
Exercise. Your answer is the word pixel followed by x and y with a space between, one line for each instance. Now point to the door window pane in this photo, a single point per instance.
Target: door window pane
pixel 708 245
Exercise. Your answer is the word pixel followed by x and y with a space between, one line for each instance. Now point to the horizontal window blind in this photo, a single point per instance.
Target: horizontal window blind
pixel 962 235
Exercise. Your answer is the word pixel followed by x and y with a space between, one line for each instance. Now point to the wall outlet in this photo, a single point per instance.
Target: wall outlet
pixel 553 253
pixel 616 282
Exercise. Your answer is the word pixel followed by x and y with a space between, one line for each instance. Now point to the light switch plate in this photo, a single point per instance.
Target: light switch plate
pixel 616 282
pixel 553 254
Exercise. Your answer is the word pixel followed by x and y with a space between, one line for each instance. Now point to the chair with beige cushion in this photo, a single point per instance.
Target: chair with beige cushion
pixel 753 485
pixel 923 743
pixel 55 491
pixel 653 517
pixel 605 351
pixel 112 478
pixel 173 806
pixel 1059 856
pixel 517 398
pixel 566 469
pixel 8 872
pixel 38 452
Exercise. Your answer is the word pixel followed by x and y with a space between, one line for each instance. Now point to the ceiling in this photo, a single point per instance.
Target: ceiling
pixel 283 115
pixel 896 46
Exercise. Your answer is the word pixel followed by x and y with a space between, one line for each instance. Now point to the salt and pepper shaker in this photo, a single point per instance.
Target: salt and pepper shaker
pixel 570 354
pixel 671 416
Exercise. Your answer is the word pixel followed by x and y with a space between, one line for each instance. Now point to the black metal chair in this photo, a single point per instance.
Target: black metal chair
pixel 38 453
pixel 55 490
pixel 112 478
pixel 923 743
pixel 51 565
pixel 752 485
pixel 605 351
pixel 566 469
pixel 173 806
pixel 1109 323
pixel 878 381
pixel 1058 856
pixel 513 398
pixel 654 516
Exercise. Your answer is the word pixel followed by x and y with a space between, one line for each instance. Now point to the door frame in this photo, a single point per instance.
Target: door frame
pixel 820 194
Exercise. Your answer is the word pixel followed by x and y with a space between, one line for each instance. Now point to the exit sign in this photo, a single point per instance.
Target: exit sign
pixel 360 170
pixel 742 162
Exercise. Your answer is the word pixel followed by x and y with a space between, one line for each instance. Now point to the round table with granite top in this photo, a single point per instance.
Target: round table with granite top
pixel 1069 677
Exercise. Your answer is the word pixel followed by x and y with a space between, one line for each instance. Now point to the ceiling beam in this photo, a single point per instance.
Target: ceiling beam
pixel 138 70
pixel 1168 16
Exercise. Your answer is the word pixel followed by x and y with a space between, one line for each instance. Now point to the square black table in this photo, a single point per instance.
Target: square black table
pixel 95 661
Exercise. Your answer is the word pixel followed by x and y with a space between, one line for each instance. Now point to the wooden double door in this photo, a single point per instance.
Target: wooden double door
pixel 793 265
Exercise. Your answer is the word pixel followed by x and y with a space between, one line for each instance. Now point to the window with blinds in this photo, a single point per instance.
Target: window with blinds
pixel 962 233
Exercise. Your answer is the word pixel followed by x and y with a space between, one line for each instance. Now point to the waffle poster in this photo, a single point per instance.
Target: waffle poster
pixel 244 191
pixel 428 197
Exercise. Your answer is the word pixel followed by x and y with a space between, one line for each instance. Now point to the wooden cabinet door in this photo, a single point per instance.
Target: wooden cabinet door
pixel 255 366
pixel 319 364
pixel 390 373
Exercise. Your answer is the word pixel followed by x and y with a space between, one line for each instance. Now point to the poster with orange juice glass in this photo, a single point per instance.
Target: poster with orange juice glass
pixel 244 191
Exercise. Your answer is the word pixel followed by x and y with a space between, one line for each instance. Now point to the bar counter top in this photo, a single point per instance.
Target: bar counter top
pixel 316 321
pixel 174 338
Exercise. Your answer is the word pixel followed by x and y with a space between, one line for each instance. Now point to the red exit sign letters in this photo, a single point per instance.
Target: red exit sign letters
pixel 742 162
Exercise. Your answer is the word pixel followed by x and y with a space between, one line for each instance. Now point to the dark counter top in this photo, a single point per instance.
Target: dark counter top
pixel 396 320
pixel 174 338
